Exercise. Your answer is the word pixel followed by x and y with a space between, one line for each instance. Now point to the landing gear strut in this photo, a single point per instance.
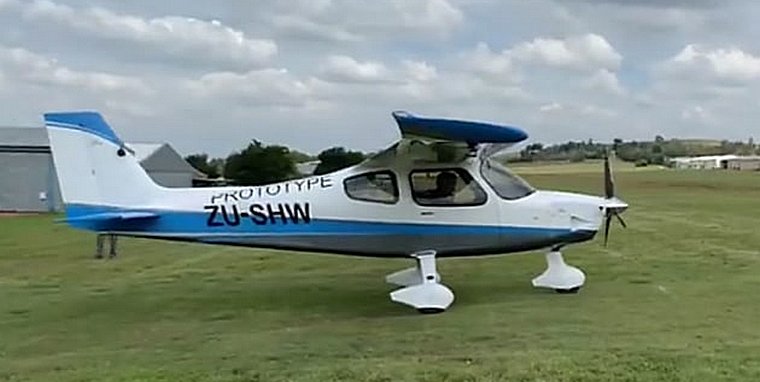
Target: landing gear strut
pixel 422 288
pixel 559 276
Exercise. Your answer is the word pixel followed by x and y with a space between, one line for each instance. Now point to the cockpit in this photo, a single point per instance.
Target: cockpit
pixel 504 183
pixel 441 179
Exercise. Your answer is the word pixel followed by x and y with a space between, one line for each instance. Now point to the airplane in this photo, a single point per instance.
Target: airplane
pixel 439 191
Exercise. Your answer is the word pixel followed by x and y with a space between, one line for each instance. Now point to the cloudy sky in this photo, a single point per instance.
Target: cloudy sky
pixel 212 75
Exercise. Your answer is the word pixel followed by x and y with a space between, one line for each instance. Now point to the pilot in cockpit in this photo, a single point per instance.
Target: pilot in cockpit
pixel 443 193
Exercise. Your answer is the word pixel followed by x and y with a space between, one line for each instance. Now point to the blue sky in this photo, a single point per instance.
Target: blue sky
pixel 212 75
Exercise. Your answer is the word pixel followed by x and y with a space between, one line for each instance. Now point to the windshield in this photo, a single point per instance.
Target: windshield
pixel 506 184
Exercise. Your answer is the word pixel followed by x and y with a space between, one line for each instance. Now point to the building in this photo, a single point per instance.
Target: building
pixel 748 163
pixel 165 165
pixel 27 175
pixel 307 168
pixel 28 181
pixel 712 162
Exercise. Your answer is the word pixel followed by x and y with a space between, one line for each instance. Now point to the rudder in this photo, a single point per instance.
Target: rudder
pixel 94 166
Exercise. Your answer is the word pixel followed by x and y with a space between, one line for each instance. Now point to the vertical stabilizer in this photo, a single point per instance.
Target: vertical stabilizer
pixel 94 166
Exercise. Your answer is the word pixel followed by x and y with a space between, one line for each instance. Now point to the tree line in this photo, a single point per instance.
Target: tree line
pixel 643 153
pixel 260 164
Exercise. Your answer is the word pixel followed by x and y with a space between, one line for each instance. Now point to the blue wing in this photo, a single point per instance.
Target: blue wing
pixel 471 132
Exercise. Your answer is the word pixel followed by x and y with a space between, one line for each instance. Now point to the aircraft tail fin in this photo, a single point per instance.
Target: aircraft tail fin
pixel 94 166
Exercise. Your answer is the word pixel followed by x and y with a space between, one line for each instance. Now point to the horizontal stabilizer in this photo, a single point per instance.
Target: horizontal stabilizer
pixel 471 132
pixel 113 217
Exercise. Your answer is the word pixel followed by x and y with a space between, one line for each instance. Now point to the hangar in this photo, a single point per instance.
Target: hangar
pixel 27 174
pixel 747 163
pixel 165 165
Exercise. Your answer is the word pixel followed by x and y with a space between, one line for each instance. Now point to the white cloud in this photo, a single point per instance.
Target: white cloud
pixel 339 68
pixel 553 67
pixel 587 52
pixel 437 16
pixel 550 107
pixel 264 87
pixel 556 108
pixel 185 37
pixel 352 21
pixel 420 71
pixel 486 62
pixel 696 113
pixel 605 81
pixel 8 4
pixel 300 26
pixel 730 64
pixel 597 111
pixel 31 68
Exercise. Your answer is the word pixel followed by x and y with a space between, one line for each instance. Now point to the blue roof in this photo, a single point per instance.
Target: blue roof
pixel 457 130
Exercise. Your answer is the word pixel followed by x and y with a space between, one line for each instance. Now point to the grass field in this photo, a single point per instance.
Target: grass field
pixel 676 297
pixel 563 167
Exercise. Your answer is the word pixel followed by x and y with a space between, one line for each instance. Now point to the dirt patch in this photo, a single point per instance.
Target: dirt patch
pixel 8 214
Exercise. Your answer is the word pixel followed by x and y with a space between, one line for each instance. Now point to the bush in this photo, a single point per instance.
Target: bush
pixel 578 156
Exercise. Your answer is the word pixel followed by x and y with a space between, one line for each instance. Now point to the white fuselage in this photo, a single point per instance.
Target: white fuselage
pixel 317 214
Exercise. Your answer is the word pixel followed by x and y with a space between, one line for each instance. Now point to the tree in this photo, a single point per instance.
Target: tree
pixel 577 156
pixel 301 157
pixel 202 164
pixel 336 158
pixel 258 164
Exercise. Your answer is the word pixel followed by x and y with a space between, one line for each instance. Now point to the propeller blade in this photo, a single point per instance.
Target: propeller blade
pixel 607 222
pixel 620 219
pixel 609 185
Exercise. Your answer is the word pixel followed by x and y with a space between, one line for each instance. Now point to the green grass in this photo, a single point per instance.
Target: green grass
pixel 673 298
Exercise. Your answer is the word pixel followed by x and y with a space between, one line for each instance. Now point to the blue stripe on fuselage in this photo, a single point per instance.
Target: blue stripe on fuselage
pixel 194 224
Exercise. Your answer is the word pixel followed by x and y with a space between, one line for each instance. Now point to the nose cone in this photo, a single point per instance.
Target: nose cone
pixel 615 204
pixel 585 212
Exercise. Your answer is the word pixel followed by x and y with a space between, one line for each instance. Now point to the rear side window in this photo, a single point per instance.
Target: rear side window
pixel 446 187
pixel 377 187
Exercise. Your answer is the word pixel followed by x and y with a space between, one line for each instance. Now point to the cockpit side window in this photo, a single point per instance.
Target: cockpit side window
pixel 377 187
pixel 446 187
pixel 506 184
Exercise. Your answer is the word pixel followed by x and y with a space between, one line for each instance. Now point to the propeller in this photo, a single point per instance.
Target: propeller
pixel 613 205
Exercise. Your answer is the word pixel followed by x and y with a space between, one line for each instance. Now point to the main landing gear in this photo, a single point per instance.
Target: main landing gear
pixel 422 288
pixel 559 276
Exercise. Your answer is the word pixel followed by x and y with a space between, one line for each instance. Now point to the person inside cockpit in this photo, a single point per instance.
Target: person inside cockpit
pixel 443 193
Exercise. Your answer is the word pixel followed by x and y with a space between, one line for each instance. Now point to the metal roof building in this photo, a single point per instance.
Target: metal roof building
pixel 165 165
pixel 28 181
pixel 746 163
pixel 27 174
pixel 711 162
